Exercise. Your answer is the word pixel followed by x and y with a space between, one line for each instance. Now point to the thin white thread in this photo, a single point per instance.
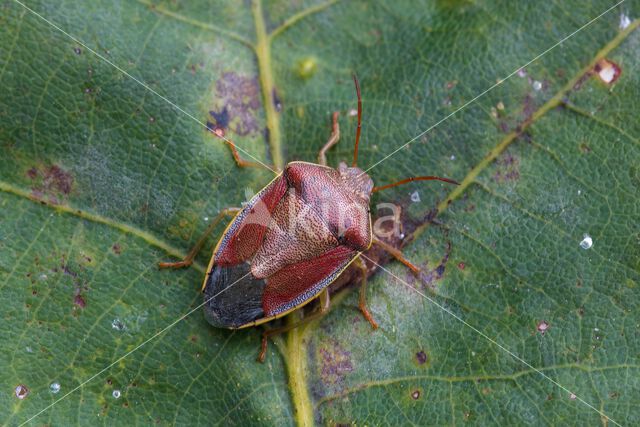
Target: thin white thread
pixel 492 341
pixel 140 82
pixel 498 83
pixel 171 325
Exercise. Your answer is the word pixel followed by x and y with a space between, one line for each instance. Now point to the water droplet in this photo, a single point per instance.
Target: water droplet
pixel 537 85
pixel 625 21
pixel 206 218
pixel 118 325
pixel 452 157
pixel 22 391
pixel 579 192
pixel 586 242
pixel 353 112
pixel 116 394
pixel 415 197
pixel 54 387
pixel 43 277
pixel 28 349
pixel 596 329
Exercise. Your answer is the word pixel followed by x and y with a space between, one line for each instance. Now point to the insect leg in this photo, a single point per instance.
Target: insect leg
pixel 188 260
pixel 363 293
pixel 239 160
pixel 324 307
pixel 333 140
pixel 397 254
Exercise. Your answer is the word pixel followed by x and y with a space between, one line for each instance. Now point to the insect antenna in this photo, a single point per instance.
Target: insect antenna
pixel 416 178
pixel 355 151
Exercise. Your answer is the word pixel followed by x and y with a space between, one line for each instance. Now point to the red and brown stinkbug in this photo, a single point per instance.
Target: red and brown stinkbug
pixel 291 241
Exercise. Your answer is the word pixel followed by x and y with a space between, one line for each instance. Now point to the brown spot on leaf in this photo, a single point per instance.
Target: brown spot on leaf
pixel 528 106
pixel 116 249
pixel 421 357
pixel 428 277
pixel 50 183
pixel 415 395
pixel 79 301
pixel 584 148
pixel 235 102
pixel 508 168
pixel 461 265
pixel 21 391
pixel 335 362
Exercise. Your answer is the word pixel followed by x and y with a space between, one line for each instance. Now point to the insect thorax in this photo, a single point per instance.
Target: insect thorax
pixel 357 181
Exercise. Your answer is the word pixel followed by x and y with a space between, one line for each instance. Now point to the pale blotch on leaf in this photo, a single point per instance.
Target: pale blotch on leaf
pixel 306 68
pixel 116 394
pixel 608 71
pixel 415 197
pixel 572 396
pixel 536 85
pixel 54 387
pixel 586 242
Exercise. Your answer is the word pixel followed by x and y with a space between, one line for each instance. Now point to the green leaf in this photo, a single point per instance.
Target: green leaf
pixel 101 178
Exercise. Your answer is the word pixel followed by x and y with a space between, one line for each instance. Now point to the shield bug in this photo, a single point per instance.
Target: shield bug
pixel 291 241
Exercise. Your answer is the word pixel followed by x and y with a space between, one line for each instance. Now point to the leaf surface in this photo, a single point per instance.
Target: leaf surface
pixel 101 178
